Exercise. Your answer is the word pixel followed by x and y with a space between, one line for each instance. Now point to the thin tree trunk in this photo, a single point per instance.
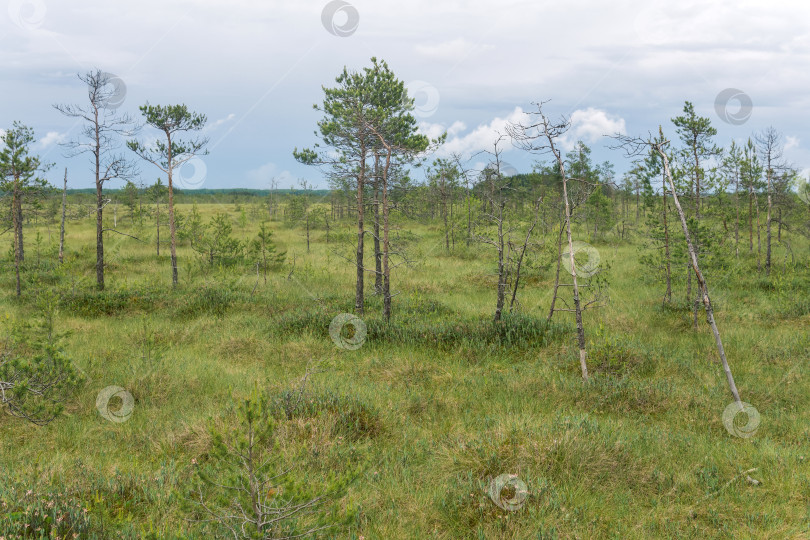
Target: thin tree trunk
pixel 751 218
pixel 668 295
pixel 779 230
pixel 386 243
pixel 172 225
pixel 307 231
pixel 577 308
pixel 378 271
pixel 444 216
pixel 759 236
pixel 15 217
pixel 99 206
pixel 452 223
pixel 469 216
pixel 768 223
pixel 501 265
pixel 491 194
pixel 62 226
pixel 157 223
pixel 688 281
pixel 697 186
pixel 99 237
pixel 522 253
pixel 359 290
pixel 737 208
pixel 701 281
pixel 20 243
pixel 557 275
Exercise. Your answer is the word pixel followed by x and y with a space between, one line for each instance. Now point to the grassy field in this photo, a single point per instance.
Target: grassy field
pixel 432 406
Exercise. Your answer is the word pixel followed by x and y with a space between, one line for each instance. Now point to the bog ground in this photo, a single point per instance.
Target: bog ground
pixel 404 435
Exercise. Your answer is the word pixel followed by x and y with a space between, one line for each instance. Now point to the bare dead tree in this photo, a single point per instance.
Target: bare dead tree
pixel 271 198
pixel 632 146
pixel 732 164
pixel 306 187
pixel 539 136
pixel 667 257
pixel 770 146
pixel 522 251
pixel 494 204
pixel 100 137
pixel 465 174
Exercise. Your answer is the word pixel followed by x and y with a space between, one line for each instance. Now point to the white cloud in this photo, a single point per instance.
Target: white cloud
pixel 261 177
pixel 590 125
pixel 51 138
pixel 214 125
pixel 456 49
pixel 456 128
pixel 791 142
pixel 435 130
pixel 480 138
pixel 640 59
pixel 587 125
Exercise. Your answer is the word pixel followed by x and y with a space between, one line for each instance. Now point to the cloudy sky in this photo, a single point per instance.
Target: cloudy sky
pixel 255 68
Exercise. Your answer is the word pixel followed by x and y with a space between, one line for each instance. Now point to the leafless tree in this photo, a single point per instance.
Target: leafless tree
pixel 521 250
pixel 494 204
pixel 538 136
pixel 271 200
pixel 633 146
pixel 464 172
pixel 770 147
pixel 100 137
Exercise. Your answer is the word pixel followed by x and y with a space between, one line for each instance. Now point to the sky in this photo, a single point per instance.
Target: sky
pixel 256 68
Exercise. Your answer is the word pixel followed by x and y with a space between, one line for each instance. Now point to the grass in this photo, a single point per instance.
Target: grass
pixel 438 402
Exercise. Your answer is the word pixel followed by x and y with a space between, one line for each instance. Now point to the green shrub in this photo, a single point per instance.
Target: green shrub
pixel 93 303
pixel 354 419
pixel 208 299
